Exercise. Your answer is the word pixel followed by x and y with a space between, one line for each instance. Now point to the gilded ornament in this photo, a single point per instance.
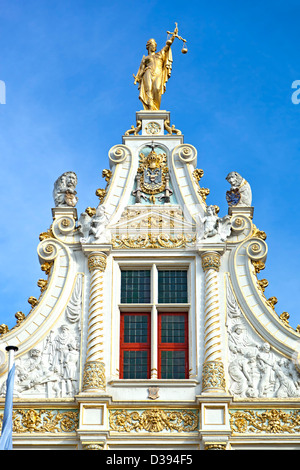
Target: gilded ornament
pixel 42 284
pixel 46 267
pixel 46 235
pixel 20 316
pixel 204 192
pixel 152 170
pixel 65 222
pixel 271 421
pixel 272 301
pixel 215 446
pixel 153 420
pixel 101 193
pixel 211 261
pixel 97 261
pixel 44 421
pixel 263 284
pixel 171 129
pixel 155 70
pixel 94 376
pixel 134 130
pixel 3 329
pixel 284 317
pixel 90 211
pixel 153 241
pixel 259 233
pixel 93 446
pixel 107 175
pixel 258 266
pixel 152 128
pixel 33 301
pixel 198 174
pixel 213 376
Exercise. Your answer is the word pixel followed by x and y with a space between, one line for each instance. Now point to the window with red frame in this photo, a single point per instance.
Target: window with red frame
pixel 173 346
pixel 135 346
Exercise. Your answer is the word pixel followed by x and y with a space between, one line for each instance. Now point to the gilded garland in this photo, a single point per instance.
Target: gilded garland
pixel 153 420
pixel 265 421
pixel 44 421
pixel 161 240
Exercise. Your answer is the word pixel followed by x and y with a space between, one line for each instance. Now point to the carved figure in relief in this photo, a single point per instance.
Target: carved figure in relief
pixel 51 369
pixel 288 385
pixel 59 347
pixel 265 364
pixel 98 232
pixel 240 192
pixel 211 226
pixel 64 193
pixel 70 369
pixel 255 370
pixel 84 223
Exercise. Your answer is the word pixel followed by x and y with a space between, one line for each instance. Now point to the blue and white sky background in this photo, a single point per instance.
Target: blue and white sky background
pixel 67 67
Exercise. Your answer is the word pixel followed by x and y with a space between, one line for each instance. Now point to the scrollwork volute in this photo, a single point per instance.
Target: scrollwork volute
pixel 257 249
pixel 187 153
pixel 63 226
pixel 119 153
pixel 48 249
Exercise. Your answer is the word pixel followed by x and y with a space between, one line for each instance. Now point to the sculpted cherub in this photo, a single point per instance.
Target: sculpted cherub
pixel 94 228
pixel 64 193
pixel 212 226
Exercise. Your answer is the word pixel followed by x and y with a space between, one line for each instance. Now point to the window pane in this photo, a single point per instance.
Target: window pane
pixel 135 328
pixel 173 364
pixel 172 286
pixel 135 364
pixel 172 328
pixel 135 286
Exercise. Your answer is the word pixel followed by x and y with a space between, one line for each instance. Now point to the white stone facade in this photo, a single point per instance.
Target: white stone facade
pixel 243 385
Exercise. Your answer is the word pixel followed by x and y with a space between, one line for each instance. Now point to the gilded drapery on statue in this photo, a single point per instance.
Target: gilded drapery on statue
pixel 154 72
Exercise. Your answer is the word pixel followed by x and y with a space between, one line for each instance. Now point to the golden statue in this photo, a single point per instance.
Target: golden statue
pixel 155 70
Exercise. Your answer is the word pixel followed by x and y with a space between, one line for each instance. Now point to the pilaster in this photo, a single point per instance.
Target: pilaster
pixel 94 378
pixel 213 375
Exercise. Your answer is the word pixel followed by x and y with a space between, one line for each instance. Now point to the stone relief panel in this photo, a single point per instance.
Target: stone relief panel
pixel 51 369
pixel 255 369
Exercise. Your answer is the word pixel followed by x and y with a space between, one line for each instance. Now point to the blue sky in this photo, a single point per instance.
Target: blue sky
pixel 67 66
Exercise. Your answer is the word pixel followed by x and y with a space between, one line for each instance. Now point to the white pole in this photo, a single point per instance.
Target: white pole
pixel 11 355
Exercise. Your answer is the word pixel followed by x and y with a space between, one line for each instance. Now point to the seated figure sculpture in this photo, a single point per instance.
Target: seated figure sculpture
pixel 240 192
